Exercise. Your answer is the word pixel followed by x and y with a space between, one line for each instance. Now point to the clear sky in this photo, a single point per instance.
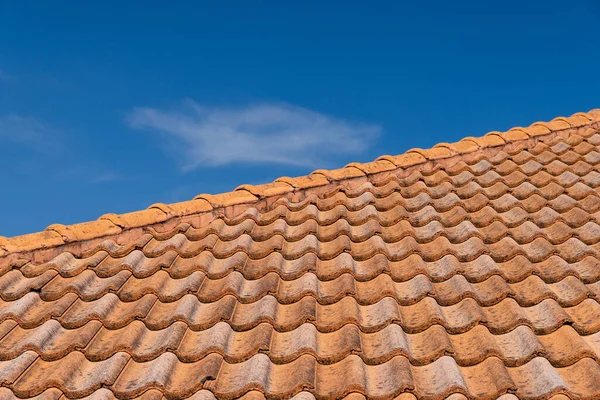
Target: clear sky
pixel 112 106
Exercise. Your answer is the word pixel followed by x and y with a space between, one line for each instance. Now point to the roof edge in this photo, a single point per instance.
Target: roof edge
pixel 113 224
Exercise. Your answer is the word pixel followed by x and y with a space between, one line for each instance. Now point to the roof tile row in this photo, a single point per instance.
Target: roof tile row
pixel 128 379
pixel 57 235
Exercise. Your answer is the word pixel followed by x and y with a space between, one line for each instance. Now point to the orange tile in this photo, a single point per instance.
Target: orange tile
pixel 469 270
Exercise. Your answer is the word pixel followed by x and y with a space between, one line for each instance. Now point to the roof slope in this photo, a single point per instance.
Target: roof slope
pixel 467 270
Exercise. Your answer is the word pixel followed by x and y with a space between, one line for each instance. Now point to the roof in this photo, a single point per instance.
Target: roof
pixel 469 270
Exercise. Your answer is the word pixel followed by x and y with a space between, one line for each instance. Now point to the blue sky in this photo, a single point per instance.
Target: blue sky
pixel 112 106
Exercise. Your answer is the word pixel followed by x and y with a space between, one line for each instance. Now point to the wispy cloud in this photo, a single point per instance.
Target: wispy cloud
pixel 88 174
pixel 259 133
pixel 28 132
pixel 4 76
pixel 39 148
pixel 105 177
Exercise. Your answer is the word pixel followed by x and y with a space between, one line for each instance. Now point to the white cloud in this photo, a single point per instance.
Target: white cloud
pixel 260 133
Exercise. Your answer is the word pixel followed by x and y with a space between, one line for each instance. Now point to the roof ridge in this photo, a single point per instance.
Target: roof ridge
pixel 113 224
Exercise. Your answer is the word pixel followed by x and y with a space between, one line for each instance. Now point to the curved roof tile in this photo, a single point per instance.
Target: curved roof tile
pixel 469 270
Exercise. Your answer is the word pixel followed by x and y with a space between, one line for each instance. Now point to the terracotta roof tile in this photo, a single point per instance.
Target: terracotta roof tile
pixel 469 270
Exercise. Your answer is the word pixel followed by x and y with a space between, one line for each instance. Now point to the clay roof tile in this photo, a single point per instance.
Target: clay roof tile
pixel 468 270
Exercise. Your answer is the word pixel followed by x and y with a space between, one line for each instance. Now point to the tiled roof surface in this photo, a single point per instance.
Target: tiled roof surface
pixel 470 270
